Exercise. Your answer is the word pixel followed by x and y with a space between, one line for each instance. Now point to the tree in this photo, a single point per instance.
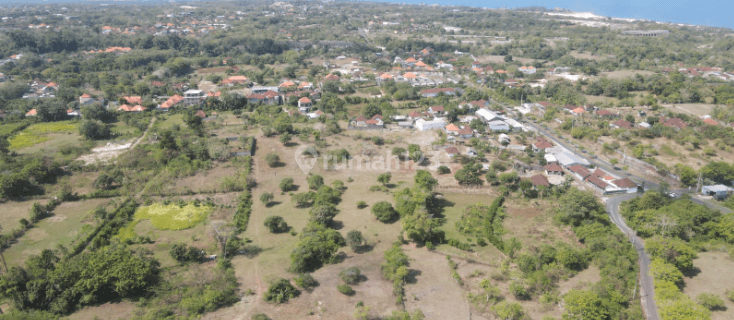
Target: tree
pixel 266 197
pixel 355 240
pixel 351 275
pixel 398 152
pixel 443 170
pixel 468 175
pixel 281 291
pixel 4 145
pixel 673 251
pixel 425 180
pixel 317 245
pixel 688 176
pixel 415 153
pixel 584 305
pixel 260 316
pixel 384 212
pixel 315 182
pixel 285 138
pixel 2 252
pixel 286 185
pixel 508 58
pixel 301 199
pixel 94 130
pixel 576 206
pixel 273 159
pixel 222 231
pixel 384 178
pixel 276 224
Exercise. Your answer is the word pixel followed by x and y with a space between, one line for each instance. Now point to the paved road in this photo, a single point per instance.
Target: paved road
pixel 647 292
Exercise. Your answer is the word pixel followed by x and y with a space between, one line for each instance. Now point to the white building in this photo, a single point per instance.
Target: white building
pixel 193 97
pixel 487 115
pixel 423 125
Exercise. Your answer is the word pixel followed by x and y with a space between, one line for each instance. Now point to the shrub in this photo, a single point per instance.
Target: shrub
pixel 351 275
pixel 273 159
pixel 711 301
pixel 444 170
pixel 287 185
pixel 518 290
pixel 730 295
pixel 384 212
pixel 276 224
pixel 266 198
pixel 305 281
pixel 355 239
pixel 361 205
pixel 315 182
pixel 260 316
pixel 345 289
pixel 281 291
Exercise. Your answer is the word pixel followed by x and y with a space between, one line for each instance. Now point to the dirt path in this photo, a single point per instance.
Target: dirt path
pixel 150 125
pixel 260 288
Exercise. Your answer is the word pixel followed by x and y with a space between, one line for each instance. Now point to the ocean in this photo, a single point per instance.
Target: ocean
pixel 714 13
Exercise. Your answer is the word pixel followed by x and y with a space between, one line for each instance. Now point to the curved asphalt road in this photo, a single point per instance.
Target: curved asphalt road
pixel 647 292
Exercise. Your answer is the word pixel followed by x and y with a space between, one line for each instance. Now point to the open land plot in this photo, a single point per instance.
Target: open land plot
pixel 694 109
pixel 624 74
pixel 120 310
pixel 272 263
pixel 42 132
pixel 60 229
pixel 501 59
pixel 716 276
pixel 584 55
pixel 12 211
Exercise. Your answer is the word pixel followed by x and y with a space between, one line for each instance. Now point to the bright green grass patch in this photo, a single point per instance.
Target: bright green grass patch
pixel 128 232
pixel 173 217
pixel 34 134
pixel 7 129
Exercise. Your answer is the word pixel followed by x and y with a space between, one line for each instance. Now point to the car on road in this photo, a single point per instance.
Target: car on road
pixel 670 194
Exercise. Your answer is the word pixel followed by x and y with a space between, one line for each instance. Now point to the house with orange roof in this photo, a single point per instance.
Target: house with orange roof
pixel 170 103
pixel 452 129
pixel 86 99
pixel 331 77
pixel 304 104
pixel 133 99
pixel 409 75
pixel 138 108
pixel 124 108
pixel 528 70
pixel 287 84
pixel 31 113
pixel 236 80
pixel 578 111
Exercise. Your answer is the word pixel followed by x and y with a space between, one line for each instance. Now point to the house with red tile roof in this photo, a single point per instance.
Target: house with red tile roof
pixel 451 151
pixel 579 171
pixel 32 113
pixel 201 114
pixel 452 129
pixel 170 103
pixel 621 124
pixel 597 183
pixel 554 169
pixel 331 77
pixel 436 110
pixel 710 122
pixel 539 180
pixel 676 123
pixel 541 144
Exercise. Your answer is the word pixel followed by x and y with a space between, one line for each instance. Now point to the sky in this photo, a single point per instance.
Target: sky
pixel 716 13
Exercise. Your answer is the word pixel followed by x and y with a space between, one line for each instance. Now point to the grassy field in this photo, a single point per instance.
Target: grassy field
pixel 173 216
pixel 59 229
pixel 41 132
pixel 12 211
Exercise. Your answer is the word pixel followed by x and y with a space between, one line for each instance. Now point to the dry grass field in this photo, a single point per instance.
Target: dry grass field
pixel 716 276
